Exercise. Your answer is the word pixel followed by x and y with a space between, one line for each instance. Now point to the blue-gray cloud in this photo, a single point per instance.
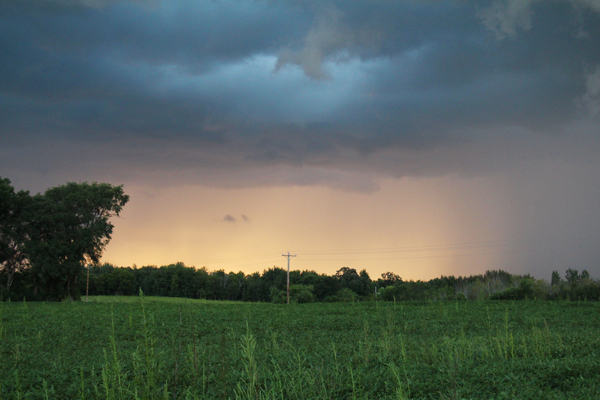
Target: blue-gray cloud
pixel 201 86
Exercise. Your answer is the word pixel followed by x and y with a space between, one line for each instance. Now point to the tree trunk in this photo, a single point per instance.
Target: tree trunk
pixel 9 279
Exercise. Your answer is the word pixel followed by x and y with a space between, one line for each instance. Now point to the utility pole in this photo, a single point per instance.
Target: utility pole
pixel 87 285
pixel 288 255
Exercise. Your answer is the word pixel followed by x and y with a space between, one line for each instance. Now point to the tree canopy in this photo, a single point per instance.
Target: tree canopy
pixel 51 236
pixel 12 230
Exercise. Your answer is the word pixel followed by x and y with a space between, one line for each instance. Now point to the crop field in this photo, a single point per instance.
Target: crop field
pixel 165 348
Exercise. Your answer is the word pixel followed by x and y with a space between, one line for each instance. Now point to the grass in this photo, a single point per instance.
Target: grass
pixel 159 348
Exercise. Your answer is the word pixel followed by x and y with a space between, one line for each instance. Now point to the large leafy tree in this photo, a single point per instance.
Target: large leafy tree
pixel 13 231
pixel 69 227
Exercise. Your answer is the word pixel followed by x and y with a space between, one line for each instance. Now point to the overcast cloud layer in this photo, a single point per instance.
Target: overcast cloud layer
pixel 220 92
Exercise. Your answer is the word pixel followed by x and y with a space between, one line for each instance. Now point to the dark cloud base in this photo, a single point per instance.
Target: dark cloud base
pixel 207 90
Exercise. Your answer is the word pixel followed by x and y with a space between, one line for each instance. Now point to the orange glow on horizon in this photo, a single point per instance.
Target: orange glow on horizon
pixel 416 228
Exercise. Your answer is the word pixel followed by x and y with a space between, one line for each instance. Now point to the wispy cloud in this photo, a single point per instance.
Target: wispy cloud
pixel 505 18
pixel 327 36
pixel 591 98
pixel 229 218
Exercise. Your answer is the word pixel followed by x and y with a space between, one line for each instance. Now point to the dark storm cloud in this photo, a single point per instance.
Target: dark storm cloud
pixel 205 89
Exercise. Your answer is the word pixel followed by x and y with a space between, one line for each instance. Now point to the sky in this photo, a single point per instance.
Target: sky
pixel 423 138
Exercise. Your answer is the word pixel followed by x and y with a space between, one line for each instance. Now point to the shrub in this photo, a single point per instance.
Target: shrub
pixel 346 295
pixel 301 293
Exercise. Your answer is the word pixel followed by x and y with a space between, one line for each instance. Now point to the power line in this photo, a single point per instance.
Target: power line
pixel 242 258
pixel 264 256
pixel 410 248
pixel 403 253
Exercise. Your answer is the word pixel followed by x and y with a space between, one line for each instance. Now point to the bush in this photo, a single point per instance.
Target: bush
pixel 586 289
pixel 346 295
pixel 301 293
pixel 278 296
pixel 524 291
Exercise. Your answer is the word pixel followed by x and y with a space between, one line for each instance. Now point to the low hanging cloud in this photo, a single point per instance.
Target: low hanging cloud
pixel 229 218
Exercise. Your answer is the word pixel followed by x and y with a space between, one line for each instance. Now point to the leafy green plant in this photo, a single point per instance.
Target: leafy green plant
pixel 189 349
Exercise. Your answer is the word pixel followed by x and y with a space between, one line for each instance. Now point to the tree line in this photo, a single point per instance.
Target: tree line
pixel 346 285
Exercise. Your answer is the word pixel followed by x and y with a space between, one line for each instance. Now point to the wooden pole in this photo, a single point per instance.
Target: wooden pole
pixel 288 255
pixel 87 284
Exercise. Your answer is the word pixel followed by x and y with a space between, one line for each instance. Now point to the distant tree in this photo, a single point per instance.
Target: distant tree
pixel 555 278
pixel 273 277
pixel 69 227
pixel 253 290
pixel 121 281
pixel 219 282
pixel 390 278
pixel 175 290
pixel 324 286
pixel 363 286
pixel 572 276
pixel 200 281
pixel 499 276
pixel 346 275
pixel 359 283
pixel 585 274
pixel 99 279
pixel 237 286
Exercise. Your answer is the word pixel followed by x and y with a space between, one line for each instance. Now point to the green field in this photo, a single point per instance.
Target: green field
pixel 144 347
